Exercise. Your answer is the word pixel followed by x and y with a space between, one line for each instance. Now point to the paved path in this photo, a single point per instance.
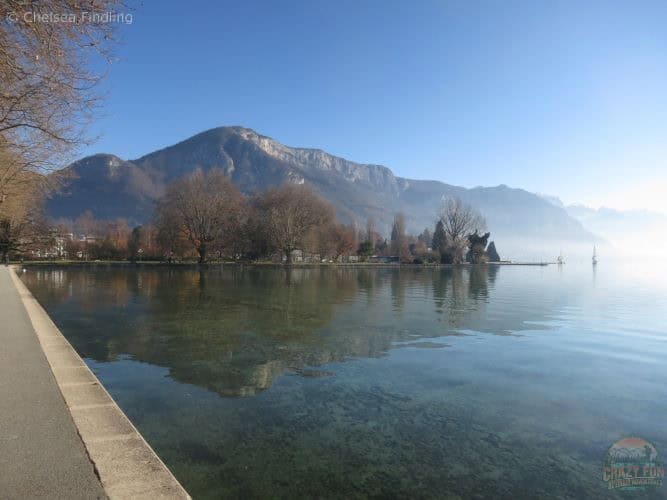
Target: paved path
pixel 41 453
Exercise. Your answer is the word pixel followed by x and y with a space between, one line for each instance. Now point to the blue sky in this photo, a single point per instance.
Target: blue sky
pixel 565 98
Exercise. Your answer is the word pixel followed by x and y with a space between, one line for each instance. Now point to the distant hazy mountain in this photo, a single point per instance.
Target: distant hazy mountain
pixel 554 200
pixel 631 229
pixel 111 187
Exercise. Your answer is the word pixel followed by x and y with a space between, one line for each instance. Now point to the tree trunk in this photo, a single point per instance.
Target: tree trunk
pixel 288 256
pixel 202 253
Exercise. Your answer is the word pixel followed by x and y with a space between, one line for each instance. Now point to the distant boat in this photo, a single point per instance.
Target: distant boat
pixel 595 257
pixel 560 259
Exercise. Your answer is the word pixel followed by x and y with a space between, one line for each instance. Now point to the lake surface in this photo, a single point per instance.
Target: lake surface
pixel 498 382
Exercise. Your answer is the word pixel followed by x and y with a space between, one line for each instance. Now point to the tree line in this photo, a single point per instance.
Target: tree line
pixel 206 213
pixel 450 241
pixel 204 217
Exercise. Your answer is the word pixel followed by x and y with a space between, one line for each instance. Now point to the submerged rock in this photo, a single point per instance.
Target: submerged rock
pixel 304 372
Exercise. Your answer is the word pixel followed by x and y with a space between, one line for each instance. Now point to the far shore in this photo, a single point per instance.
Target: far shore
pixel 294 265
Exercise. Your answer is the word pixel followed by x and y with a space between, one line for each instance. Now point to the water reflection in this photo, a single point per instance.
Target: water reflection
pixel 481 382
pixel 236 330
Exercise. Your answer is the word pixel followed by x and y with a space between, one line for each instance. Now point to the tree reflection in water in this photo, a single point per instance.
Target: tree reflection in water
pixel 260 382
pixel 235 330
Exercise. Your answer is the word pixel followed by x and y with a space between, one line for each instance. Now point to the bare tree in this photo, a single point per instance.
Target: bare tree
pixel 345 238
pixel 399 240
pixel 259 243
pixel 47 87
pixel 204 207
pixel 458 221
pixel 170 238
pixel 371 235
pixel 86 224
pixel 21 220
pixel 335 240
pixel 289 213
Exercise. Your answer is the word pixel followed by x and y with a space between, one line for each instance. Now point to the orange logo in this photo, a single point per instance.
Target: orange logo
pixel 632 463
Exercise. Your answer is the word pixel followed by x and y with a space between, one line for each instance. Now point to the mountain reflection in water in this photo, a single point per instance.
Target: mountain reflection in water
pixel 234 331
pixel 480 382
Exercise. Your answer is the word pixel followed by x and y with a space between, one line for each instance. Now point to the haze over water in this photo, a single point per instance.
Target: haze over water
pixel 502 382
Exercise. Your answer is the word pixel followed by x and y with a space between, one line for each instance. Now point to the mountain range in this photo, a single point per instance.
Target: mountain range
pixel 639 232
pixel 112 187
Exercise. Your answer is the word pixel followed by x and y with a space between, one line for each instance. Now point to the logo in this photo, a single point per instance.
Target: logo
pixel 632 463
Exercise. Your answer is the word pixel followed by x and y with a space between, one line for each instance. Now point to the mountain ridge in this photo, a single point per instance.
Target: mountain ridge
pixel 112 187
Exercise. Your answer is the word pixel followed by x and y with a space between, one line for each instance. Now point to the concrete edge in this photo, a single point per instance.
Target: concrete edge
pixel 125 463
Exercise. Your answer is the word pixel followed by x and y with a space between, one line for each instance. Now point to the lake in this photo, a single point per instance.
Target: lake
pixel 482 382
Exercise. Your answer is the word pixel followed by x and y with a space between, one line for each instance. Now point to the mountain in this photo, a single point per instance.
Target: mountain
pixel 638 231
pixel 613 223
pixel 111 187
pixel 554 200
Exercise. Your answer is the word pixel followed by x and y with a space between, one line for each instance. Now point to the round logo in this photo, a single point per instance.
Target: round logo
pixel 632 463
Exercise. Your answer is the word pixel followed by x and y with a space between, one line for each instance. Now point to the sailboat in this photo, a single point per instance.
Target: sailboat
pixel 595 257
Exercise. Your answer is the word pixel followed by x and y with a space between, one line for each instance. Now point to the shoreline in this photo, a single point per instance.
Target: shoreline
pixel 124 462
pixel 295 265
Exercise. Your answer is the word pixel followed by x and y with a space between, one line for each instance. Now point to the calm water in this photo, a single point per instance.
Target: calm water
pixel 504 382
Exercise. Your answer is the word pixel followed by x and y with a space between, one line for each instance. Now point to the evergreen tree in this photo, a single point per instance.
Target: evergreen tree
pixel 492 253
pixel 439 244
pixel 134 243
pixel 426 238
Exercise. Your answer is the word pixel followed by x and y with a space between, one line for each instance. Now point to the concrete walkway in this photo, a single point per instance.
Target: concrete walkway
pixel 41 453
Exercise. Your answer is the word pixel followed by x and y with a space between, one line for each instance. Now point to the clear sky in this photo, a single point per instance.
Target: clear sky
pixel 563 98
